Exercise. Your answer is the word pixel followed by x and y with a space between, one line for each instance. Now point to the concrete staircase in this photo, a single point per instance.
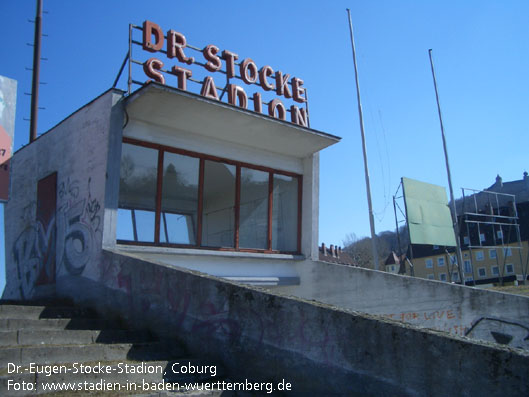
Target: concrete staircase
pixel 48 346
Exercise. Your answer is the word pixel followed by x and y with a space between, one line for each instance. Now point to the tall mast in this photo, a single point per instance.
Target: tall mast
pixel 454 211
pixel 366 169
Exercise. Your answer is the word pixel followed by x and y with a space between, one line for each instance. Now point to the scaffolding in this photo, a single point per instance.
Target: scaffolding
pixel 490 222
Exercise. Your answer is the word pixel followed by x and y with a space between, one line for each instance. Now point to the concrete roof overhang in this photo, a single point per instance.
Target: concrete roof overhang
pixel 181 110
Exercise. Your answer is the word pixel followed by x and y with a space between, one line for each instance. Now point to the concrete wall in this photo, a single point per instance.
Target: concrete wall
pixel 70 243
pixel 456 309
pixel 319 349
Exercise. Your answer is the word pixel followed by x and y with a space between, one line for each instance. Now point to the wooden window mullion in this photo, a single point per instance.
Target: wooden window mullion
pixel 200 202
pixel 237 205
pixel 159 182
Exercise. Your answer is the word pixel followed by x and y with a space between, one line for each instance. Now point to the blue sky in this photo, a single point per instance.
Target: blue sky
pixel 480 48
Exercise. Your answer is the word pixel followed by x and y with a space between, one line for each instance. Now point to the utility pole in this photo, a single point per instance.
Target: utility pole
pixel 368 185
pixel 36 74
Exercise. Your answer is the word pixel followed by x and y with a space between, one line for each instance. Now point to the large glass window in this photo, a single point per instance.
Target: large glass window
pixel 285 213
pixel 137 193
pixel 218 209
pixel 178 223
pixel 253 218
pixel 174 197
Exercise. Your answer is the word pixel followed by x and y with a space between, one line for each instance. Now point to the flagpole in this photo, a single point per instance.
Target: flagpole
pixel 368 185
pixel 454 210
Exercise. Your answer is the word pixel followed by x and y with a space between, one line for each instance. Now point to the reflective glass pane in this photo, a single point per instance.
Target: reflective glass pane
pixel 253 215
pixel 137 193
pixel 285 213
pixel 179 199
pixel 218 207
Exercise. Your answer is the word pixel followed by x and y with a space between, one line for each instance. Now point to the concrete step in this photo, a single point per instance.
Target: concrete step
pixel 62 337
pixel 12 324
pixel 58 354
pixel 131 376
pixel 37 312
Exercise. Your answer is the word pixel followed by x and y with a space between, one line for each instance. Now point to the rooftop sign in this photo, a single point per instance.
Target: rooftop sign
pixel 177 63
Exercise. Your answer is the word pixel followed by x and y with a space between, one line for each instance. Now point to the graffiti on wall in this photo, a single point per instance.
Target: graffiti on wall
pixel 150 287
pixel 500 331
pixel 505 332
pixel 61 241
pixel 448 320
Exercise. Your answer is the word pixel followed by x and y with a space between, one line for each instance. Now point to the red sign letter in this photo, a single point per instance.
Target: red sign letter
pixel 151 68
pixel 182 74
pixel 298 90
pixel 282 87
pixel 245 65
pixel 210 54
pixel 208 89
pixel 257 102
pixel 281 111
pixel 176 42
pixel 266 71
pixel 230 59
pixel 149 29
pixel 299 116
pixel 235 92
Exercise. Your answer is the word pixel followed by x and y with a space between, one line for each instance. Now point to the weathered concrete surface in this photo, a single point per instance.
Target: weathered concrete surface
pixel 316 347
pixel 456 309
pixel 70 241
pixel 31 364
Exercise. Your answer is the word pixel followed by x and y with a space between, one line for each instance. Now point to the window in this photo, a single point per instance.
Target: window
pixel 284 213
pixel 435 247
pixel 179 198
pixel 430 276
pixel 499 234
pixel 453 260
pixel 468 266
pixel 468 279
pixel 492 254
pixel 179 211
pixel 509 268
pixel 442 276
pixel 479 256
pixel 440 261
pixel 507 251
pixel 429 263
pixel 482 237
pixel 218 207
pixel 482 272
pixel 495 270
pixel 455 276
pixel 253 228
pixel 466 240
pixel 137 194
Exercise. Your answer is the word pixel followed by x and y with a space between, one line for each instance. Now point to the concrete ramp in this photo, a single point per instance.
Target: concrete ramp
pixel 261 336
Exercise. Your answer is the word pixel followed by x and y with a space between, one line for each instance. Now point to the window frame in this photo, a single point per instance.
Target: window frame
pixel 238 164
